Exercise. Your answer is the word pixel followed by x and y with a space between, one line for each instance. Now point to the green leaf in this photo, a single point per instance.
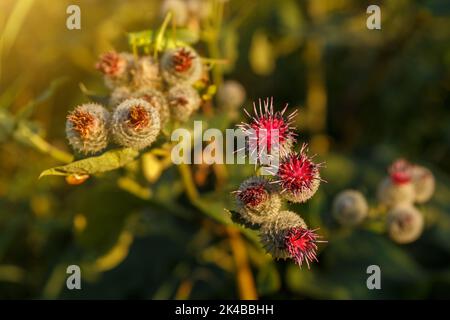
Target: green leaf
pixel 108 161
pixel 268 279
pixel 147 38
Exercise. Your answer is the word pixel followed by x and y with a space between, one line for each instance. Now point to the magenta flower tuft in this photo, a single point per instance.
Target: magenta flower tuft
pixel 301 243
pixel 400 171
pixel 298 176
pixel 268 131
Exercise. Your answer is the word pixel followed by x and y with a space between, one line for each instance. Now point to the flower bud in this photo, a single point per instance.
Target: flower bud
pixel 157 99
pixel 257 199
pixel 424 184
pixel 286 235
pixel 397 188
pixel 135 124
pixel 118 95
pixel 298 176
pixel 183 101
pixel 115 68
pixel 392 194
pixel 146 73
pixel 404 223
pixel 181 66
pixel 230 95
pixel 350 208
pixel 87 128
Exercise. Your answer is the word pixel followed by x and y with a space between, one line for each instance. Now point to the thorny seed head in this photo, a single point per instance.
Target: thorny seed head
pixel 182 60
pixel 257 199
pixel 87 128
pixel 157 99
pixel 268 131
pixel 286 235
pixel 138 118
pixel 253 195
pixel 424 183
pixel 298 176
pixel 404 223
pixel 301 243
pixel 82 121
pixel 183 100
pixel 350 207
pixel 181 65
pixel 111 64
pixel 400 171
pixel 135 123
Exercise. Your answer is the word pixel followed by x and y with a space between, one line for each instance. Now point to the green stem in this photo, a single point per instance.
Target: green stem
pixel 43 146
pixel 160 35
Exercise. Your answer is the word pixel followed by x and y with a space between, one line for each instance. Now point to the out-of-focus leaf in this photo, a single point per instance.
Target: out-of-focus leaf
pixel 93 96
pixel 261 54
pixel 6 124
pixel 117 253
pixel 108 161
pixel 268 279
pixel 151 167
pixel 147 38
pixel 26 111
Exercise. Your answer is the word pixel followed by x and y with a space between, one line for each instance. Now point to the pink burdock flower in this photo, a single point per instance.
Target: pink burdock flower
pixel 111 64
pixel 286 235
pixel 115 67
pixel 301 244
pixel 398 187
pixel 269 132
pixel 298 176
pixel 400 171
pixel 257 199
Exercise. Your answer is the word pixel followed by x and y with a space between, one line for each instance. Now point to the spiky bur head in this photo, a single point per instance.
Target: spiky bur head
pixel 404 223
pixel 286 235
pixel 424 184
pixel 87 128
pixel 115 68
pixel 118 95
pixel 179 10
pixel 350 208
pixel 230 95
pixel 398 187
pixel 183 100
pixel 268 132
pixel 146 73
pixel 392 194
pixel 257 199
pixel 157 99
pixel 298 176
pixel 135 123
pixel 181 65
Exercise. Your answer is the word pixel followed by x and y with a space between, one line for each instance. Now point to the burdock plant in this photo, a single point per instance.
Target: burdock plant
pixel 283 233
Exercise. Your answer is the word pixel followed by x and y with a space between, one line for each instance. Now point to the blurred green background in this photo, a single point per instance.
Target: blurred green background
pixel 365 97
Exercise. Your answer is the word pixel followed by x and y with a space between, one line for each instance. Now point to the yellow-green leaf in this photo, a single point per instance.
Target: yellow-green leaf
pixel 107 161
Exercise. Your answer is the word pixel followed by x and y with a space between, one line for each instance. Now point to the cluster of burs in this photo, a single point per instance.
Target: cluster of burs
pixel 146 92
pixel 406 185
pixel 261 200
